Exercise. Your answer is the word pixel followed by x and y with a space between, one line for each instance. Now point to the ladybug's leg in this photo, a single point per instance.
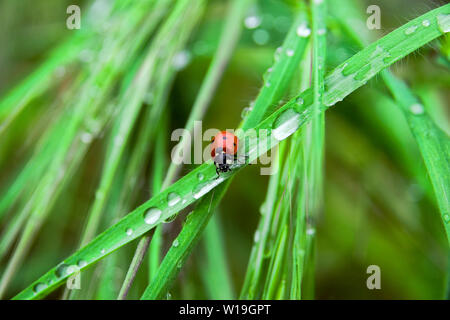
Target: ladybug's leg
pixel 218 173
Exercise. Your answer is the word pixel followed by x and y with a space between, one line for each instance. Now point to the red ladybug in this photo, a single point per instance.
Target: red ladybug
pixel 224 148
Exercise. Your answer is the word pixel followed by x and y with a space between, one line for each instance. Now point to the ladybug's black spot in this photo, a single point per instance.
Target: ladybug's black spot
pixel 224 138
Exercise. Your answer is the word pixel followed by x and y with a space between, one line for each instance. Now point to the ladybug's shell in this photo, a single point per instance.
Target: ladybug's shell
pixel 226 141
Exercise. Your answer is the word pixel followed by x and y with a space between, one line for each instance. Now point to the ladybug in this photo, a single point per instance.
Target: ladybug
pixel 224 148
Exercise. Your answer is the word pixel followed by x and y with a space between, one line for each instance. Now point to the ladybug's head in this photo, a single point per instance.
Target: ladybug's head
pixel 223 159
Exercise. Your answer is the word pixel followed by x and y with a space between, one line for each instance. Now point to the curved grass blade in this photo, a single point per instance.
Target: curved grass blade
pixel 433 142
pixel 314 154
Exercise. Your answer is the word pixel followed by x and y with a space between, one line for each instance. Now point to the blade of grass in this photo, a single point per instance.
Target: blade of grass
pixel 158 176
pixel 148 239
pixel 229 38
pixel 314 144
pixel 18 99
pixel 216 276
pixel 433 143
pixel 182 246
pixel 84 110
pixel 195 12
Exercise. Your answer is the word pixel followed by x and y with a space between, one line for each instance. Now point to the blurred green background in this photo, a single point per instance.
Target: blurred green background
pixel 376 211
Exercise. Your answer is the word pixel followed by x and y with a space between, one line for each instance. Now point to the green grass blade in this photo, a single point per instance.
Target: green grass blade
pixel 314 147
pixel 433 143
pixel 182 246
pixel 216 276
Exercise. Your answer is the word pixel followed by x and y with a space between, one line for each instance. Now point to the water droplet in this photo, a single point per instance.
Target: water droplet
pixel 184 201
pixel 175 243
pixel 173 199
pixel 61 270
pixel 266 77
pixel 443 21
pixel 118 140
pixel 245 112
pixel 261 36
pixel 289 52
pixel 86 137
pixel 103 251
pixel 303 30
pixel 86 55
pixel 129 231
pixel 446 218
pixel 410 30
pixel 99 195
pixel 310 231
pixel 60 72
pixel 204 188
pixel 256 236
pixel 65 270
pixel 268 84
pixel 333 83
pixel 200 176
pixel 152 215
pixel 299 101
pixel 82 263
pixel 286 124
pixel 426 23
pixel 321 32
pixel 417 109
pixel 277 53
pixel 181 60
pixel 169 296
pixel 252 22
pixel 39 287
pixel 263 208
pixel 171 218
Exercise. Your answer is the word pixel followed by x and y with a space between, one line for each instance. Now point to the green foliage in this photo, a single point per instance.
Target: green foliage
pixel 108 137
